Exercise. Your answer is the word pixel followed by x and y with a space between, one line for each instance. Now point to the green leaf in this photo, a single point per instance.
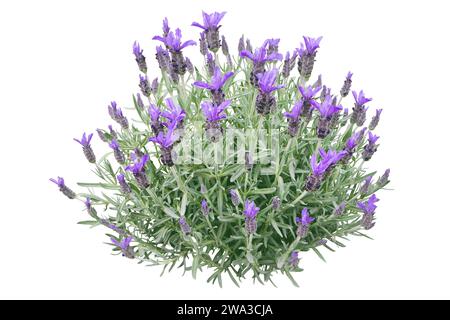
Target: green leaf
pixel 170 212
pixel 263 191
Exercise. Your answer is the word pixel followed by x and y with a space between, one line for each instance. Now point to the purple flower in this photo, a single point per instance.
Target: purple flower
pixel 140 59
pixel 144 85
pixel 347 85
pixel 309 92
pixel 124 246
pixel 368 209
pixel 101 135
pixel 294 259
pixel 288 64
pixel 235 199
pixel 124 187
pixel 295 112
pixel 112 132
pixel 310 47
pixel 85 141
pixel 305 219
pixel 173 41
pixel 319 169
pixel 250 212
pixel 139 101
pixel 202 44
pixel 205 208
pixel 271 45
pixel 332 156
pixel 250 209
pixel 218 80
pixel 175 113
pixel 326 108
pixel 63 188
pixel 241 44
pixel 354 140
pixel 303 223
pixel 87 149
pixel 307 55
pixel 265 101
pixel 294 118
pixel 162 56
pixel 372 138
pixel 328 116
pixel 365 187
pixel 166 28
pixel 213 112
pixel 189 65
pixel 276 203
pixel 375 120
pixel 371 147
pixel 154 113
pixel 185 228
pixel 266 81
pixel 360 99
pixel 211 29
pixel 210 21
pixel 118 154
pixel 384 178
pixel 368 206
pixel 138 170
pixel 261 56
pixel 166 140
pixel 117 115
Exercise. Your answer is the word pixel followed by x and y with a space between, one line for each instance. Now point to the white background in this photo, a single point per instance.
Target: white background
pixel 61 62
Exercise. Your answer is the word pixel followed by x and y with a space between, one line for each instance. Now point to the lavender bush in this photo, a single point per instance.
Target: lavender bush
pixel 238 165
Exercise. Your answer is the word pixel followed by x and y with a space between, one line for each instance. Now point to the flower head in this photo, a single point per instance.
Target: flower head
pixel 175 114
pixel 166 28
pixel 328 159
pixel 205 208
pixel 369 206
pixel 266 81
pixel 305 219
pixel 114 144
pixel 310 46
pixel 214 113
pixel 165 139
pixel 372 138
pixel 85 140
pixel 296 111
pixel 353 141
pixel 124 244
pixel 173 41
pixel 309 92
pixel 154 112
pixel 327 107
pixel 137 51
pixel 261 56
pixel 58 181
pixel 250 209
pixel 360 99
pixel 210 21
pixel 139 165
pixel 218 80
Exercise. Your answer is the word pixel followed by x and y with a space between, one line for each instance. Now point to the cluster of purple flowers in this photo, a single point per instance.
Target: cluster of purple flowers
pixel 166 133
pixel 303 223
pixel 87 149
pixel 167 121
pixel 320 169
pixel 250 212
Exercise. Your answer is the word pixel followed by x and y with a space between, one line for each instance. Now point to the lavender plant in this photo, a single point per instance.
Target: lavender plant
pixel 231 165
